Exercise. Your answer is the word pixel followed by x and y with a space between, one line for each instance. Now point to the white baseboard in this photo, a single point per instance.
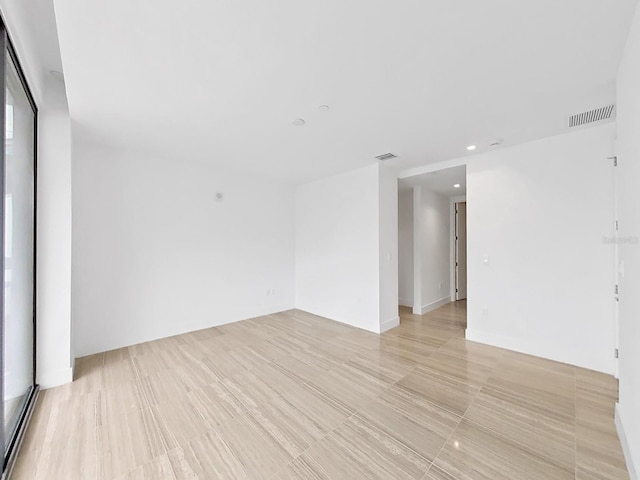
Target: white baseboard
pixel 433 305
pixel 405 302
pixel 625 446
pixel 540 349
pixel 389 324
pixel 55 378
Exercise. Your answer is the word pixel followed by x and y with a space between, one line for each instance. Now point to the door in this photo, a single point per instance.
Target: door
pixel 461 250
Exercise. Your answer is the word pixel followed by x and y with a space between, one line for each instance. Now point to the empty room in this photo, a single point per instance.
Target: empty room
pixel 320 240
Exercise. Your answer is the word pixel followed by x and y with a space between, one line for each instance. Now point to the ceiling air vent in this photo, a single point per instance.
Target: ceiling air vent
pixel 602 113
pixel 386 156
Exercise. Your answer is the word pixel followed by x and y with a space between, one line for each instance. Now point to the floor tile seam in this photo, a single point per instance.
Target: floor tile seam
pixel 185 444
pixel 536 455
pixel 131 470
pixel 423 398
pixel 515 442
pixel 102 453
pixel 492 429
pixel 140 392
pixel 441 372
pixel 436 406
pixel 475 385
pixel 254 411
pixel 534 368
pixel 448 353
pixel 453 431
pixel 473 400
pixel 561 388
pixel 285 371
pixel 344 422
pixel 160 401
pixel 517 404
pixel 159 422
pixel 524 389
pixel 327 434
pixel 428 400
pixel 402 378
pixel 221 380
pixel 399 440
pixel 275 441
pixel 394 440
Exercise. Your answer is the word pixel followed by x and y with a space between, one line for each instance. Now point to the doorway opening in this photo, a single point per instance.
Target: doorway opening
pixel 432 240
pixel 460 250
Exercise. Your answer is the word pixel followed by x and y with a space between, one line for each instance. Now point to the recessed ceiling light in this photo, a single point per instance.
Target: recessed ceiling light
pixel 471 147
pixel 323 108
pixel 457 185
pixel 298 122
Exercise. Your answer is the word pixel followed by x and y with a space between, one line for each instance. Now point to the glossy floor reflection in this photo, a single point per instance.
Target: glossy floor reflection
pixel 296 396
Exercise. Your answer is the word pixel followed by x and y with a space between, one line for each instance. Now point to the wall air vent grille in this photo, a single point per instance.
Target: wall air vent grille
pixel 386 156
pixel 596 115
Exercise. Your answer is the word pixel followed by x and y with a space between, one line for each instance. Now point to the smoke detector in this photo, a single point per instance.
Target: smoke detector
pixel 386 156
pixel 595 115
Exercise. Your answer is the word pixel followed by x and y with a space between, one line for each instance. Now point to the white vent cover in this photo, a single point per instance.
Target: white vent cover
pixel 602 113
pixel 386 156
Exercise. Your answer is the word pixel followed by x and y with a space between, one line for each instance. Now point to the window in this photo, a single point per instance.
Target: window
pixel 17 299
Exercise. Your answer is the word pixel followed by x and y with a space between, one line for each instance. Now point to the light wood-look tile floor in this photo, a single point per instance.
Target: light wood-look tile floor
pixel 294 396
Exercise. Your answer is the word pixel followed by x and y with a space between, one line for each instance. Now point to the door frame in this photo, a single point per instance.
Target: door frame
pixel 452 243
pixel 616 260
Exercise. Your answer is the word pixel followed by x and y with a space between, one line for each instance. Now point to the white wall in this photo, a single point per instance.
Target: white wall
pixel 54 347
pixel 388 248
pixel 405 248
pixel 337 251
pixel 432 240
pixel 32 29
pixel 346 248
pixel 628 175
pixel 540 211
pixel 156 255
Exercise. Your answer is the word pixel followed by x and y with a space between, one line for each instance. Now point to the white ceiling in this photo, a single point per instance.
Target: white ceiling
pixel 222 80
pixel 439 181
